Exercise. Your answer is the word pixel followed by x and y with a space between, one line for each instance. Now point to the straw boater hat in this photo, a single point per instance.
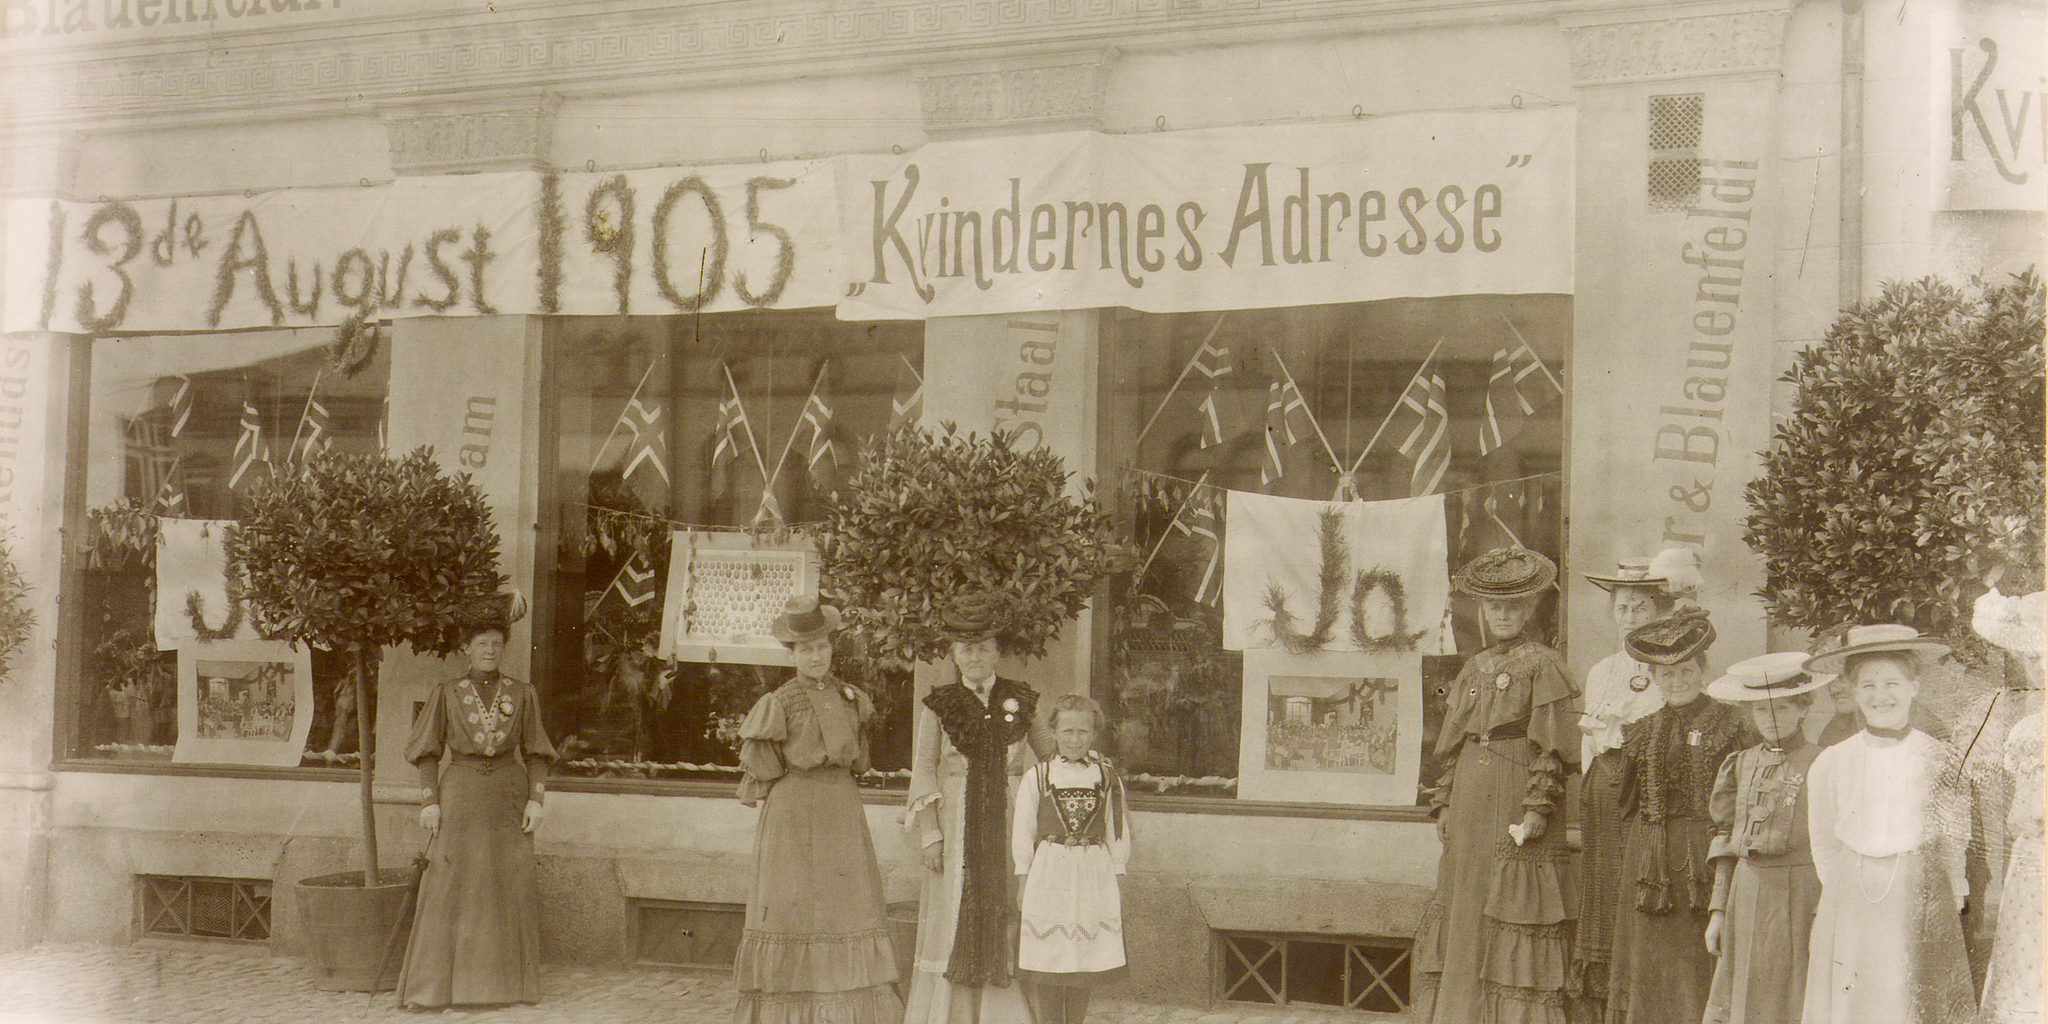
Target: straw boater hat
pixel 1670 641
pixel 1630 572
pixel 1675 571
pixel 977 615
pixel 2014 623
pixel 1766 676
pixel 1506 572
pixel 1872 639
pixel 804 618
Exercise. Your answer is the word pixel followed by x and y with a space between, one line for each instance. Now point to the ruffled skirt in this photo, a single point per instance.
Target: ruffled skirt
pixel 816 949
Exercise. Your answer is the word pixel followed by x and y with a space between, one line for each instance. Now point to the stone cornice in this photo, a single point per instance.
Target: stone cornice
pixel 595 48
pixel 1048 92
pixel 1676 42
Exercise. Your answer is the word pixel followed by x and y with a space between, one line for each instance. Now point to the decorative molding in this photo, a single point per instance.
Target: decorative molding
pixel 1033 94
pixel 1675 47
pixel 503 139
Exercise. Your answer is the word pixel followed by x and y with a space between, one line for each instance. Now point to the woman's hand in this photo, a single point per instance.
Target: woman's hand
pixel 1534 824
pixel 531 819
pixel 1443 830
pixel 1716 923
pixel 932 859
pixel 430 820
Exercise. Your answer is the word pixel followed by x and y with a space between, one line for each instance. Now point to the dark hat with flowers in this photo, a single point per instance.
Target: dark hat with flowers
pixel 978 615
pixel 1682 637
pixel 482 614
pixel 1506 572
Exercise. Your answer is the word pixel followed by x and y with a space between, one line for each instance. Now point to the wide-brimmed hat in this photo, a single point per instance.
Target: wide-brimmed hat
pixel 804 618
pixel 2014 623
pixel 1872 639
pixel 1506 572
pixel 1682 637
pixel 977 615
pixel 1629 572
pixel 1765 676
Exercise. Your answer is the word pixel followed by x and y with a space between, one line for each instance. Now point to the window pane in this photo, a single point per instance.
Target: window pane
pixel 635 394
pixel 1172 690
pixel 183 427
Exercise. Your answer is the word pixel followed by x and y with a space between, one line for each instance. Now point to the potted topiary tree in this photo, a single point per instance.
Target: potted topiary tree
pixel 355 554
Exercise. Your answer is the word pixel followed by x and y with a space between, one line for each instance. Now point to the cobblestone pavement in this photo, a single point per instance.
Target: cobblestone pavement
pixel 165 983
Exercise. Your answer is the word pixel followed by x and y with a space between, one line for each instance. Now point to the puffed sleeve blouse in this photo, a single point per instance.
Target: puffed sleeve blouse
pixel 801 726
pixel 448 722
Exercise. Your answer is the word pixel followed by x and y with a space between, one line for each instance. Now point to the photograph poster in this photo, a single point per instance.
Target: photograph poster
pixel 244 702
pixel 1340 727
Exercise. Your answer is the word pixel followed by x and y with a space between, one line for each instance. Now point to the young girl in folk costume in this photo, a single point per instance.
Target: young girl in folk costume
pixel 1886 810
pixel 1618 691
pixel 971 740
pixel 1765 889
pixel 1070 839
pixel 1493 942
pixel 2012 986
pixel 1662 970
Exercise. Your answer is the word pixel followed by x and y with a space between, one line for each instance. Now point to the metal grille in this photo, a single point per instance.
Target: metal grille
pixel 1369 974
pixel 202 907
pixel 687 934
pixel 1674 141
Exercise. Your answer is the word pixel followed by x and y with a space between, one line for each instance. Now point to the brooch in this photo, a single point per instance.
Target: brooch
pixel 505 706
pixel 1500 682
pixel 1009 709
pixel 847 692
pixel 1638 684
pixel 1693 738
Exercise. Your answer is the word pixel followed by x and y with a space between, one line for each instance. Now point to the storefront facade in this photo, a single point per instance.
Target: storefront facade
pixel 645 272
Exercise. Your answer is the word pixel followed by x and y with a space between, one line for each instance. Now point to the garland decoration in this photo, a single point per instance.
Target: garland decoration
pixel 1336 566
pixel 551 225
pixel 1387 581
pixel 195 611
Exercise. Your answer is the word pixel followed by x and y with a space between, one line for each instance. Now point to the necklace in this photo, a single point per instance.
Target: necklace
pixel 1864 886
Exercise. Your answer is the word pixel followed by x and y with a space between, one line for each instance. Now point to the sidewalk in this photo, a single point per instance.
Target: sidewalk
pixel 174 983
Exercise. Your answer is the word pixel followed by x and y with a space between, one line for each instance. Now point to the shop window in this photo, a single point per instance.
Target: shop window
pixel 687 934
pixel 1170 680
pixel 1674 182
pixel 732 428
pixel 202 907
pixel 180 429
pixel 1353 973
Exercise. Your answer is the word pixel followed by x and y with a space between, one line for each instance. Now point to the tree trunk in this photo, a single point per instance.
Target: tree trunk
pixel 366 742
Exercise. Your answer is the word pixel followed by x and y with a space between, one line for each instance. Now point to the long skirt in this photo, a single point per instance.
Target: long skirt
pixel 1761 976
pixel 1888 946
pixel 1495 940
pixel 2012 991
pixel 476 934
pixel 1600 826
pixel 933 999
pixel 1073 918
pixel 816 947
pixel 1662 971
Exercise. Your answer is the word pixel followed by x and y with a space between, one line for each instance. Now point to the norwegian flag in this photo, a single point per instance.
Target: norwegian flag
pixel 733 432
pixel 633 588
pixel 769 515
pixel 1519 387
pixel 1287 421
pixel 250 448
pixel 646 445
pixel 907 408
pixel 817 418
pixel 1213 363
pixel 1424 410
pixel 312 433
pixel 170 497
pixel 181 404
pixel 1202 520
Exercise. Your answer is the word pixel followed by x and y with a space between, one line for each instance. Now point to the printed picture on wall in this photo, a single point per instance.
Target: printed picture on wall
pixel 1331 727
pixel 243 702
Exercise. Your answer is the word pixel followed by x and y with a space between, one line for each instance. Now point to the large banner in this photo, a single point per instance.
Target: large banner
pixel 1224 218
pixel 1991 150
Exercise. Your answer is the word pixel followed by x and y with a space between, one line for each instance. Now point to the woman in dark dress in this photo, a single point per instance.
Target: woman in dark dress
pixel 483 759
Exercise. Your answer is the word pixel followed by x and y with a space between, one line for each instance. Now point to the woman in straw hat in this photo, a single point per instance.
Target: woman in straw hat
pixel 970 744
pixel 483 762
pixel 1885 811
pixel 2012 986
pixel 1662 970
pixel 1494 941
pixel 1765 889
pixel 1618 691
pixel 816 946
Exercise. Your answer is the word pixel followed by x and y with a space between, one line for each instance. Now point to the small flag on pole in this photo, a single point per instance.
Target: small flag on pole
pixel 646 446
pixel 1519 387
pixel 170 497
pixel 907 408
pixel 1203 521
pixel 250 447
pixel 732 436
pixel 769 514
pixel 312 431
pixel 633 588
pixel 1427 439
pixel 1287 421
pixel 1213 363
pixel 181 404
pixel 817 418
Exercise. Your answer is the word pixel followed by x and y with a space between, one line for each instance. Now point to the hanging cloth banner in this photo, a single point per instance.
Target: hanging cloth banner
pixel 1223 218
pixel 193 599
pixel 654 241
pixel 1306 576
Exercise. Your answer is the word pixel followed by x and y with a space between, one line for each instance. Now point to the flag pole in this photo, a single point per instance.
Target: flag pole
pixel 1532 351
pixel 634 397
pixel 1397 407
pixel 1335 462
pixel 1168 532
pixel 779 463
pixel 303 413
pixel 1177 381
pixel 753 444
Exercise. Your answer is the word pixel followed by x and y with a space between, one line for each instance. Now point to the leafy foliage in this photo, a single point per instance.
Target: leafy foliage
pixel 1912 463
pixel 17 619
pixel 927 515
pixel 366 551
